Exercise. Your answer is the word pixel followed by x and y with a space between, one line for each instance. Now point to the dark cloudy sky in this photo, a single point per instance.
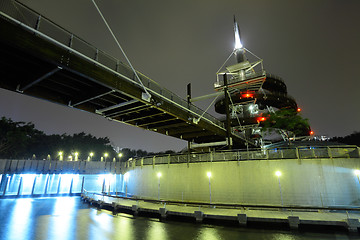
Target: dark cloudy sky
pixel 312 45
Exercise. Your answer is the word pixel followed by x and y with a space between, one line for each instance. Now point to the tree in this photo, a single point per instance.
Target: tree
pixel 352 139
pixel 16 137
pixel 288 120
pixel 22 140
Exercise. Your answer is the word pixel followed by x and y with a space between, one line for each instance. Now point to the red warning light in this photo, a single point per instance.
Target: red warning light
pixel 247 95
pixel 299 109
pixel 261 119
pixel 311 132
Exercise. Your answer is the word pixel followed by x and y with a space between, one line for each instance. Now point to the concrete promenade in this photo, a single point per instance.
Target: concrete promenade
pixel 291 218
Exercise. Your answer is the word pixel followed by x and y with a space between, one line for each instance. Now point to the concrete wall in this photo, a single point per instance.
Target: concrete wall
pixel 312 182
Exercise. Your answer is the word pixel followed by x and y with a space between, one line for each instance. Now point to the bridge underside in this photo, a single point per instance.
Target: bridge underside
pixel 40 67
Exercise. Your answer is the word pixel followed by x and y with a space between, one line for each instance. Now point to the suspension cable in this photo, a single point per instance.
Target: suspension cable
pixel 225 62
pixel 117 42
pixel 207 108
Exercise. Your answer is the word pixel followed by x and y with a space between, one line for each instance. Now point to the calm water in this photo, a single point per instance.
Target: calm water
pixel 69 218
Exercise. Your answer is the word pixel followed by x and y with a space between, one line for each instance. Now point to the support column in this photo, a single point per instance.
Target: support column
pixel 188 97
pixel 353 224
pixel 20 186
pixel 294 222
pixel 242 219
pixel 227 112
pixel 199 216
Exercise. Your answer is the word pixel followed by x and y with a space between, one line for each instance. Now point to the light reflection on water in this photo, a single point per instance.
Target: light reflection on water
pixel 69 218
pixel 20 228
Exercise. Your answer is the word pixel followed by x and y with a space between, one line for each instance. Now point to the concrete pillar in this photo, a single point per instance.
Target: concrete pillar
pixel 99 204
pixel 199 216
pixel 242 218
pixel 162 212
pixel 135 209
pixel 114 208
pixel 294 222
pixel 353 224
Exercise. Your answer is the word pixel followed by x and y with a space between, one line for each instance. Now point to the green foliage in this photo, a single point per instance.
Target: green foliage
pixel 288 120
pixel 16 137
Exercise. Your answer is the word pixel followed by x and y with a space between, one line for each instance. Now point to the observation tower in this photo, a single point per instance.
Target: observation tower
pixel 251 94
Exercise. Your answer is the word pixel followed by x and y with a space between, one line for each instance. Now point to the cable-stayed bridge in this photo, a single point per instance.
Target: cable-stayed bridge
pixel 41 59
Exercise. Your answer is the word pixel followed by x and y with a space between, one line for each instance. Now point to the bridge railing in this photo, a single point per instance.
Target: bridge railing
pixel 305 152
pixel 43 25
pixel 10 166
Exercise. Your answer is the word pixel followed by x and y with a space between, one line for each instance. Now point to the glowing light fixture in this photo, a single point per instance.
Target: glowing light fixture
pixel 106 154
pixel 311 132
pixel 238 44
pixel 278 173
pixel 357 172
pixel 247 95
pixel 159 174
pixel 299 110
pixel 91 154
pixel 261 119
pixel 120 155
pixel 208 174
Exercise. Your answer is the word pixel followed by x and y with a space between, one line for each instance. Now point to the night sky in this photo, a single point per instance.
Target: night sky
pixel 313 45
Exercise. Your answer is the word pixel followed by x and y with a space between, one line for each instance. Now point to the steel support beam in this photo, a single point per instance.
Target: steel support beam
pixel 100 111
pixel 89 99
pixel 40 79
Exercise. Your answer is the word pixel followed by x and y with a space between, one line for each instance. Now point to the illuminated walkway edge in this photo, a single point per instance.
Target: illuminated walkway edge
pixel 293 217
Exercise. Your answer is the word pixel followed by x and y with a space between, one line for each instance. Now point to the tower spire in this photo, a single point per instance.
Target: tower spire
pixel 239 50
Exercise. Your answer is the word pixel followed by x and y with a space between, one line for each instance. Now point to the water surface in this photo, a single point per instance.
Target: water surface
pixel 70 218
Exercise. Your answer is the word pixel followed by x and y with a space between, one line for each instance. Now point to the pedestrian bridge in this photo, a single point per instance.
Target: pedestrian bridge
pixel 41 59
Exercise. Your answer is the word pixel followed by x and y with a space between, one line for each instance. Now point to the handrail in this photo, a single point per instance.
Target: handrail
pixel 300 152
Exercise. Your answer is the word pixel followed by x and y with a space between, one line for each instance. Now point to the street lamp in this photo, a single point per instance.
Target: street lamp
pixel 159 176
pixel 105 156
pixel 209 176
pixel 60 156
pixel 90 156
pixel 120 156
pixel 278 174
pixel 76 156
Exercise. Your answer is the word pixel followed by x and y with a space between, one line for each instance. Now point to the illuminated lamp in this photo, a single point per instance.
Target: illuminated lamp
pixel 311 132
pixel 247 95
pixel 298 110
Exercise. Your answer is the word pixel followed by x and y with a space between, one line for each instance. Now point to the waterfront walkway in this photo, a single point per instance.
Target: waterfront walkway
pixel 291 217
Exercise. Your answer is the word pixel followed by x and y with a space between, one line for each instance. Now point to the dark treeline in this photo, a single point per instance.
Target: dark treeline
pixel 20 140
pixel 352 139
